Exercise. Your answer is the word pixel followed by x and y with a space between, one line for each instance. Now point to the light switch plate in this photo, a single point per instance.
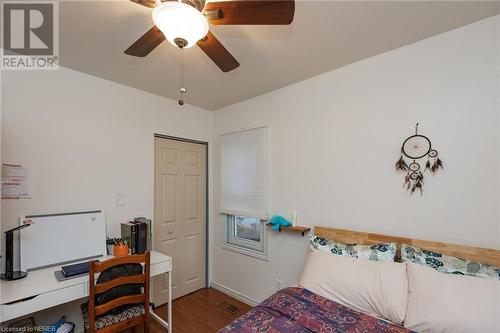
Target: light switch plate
pixel 119 200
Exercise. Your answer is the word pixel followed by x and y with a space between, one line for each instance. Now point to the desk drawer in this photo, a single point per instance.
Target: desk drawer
pixel 42 301
pixel 160 267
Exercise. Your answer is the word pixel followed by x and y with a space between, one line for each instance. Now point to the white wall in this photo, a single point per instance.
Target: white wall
pixel 87 139
pixel 335 139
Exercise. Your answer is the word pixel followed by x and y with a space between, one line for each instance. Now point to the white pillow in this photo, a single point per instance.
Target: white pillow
pixel 376 288
pixel 440 302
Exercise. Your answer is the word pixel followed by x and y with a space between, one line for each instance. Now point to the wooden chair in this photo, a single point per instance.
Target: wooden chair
pixel 97 318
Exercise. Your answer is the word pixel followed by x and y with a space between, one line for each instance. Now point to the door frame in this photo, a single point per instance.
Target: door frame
pixel 207 199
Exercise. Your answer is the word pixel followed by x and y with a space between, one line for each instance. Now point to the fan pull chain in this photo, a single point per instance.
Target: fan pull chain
pixel 182 89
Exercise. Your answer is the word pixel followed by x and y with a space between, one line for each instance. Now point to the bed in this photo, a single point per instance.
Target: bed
pixel 298 309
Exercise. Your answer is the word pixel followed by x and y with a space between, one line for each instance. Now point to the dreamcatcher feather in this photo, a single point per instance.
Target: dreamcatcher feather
pixel 416 148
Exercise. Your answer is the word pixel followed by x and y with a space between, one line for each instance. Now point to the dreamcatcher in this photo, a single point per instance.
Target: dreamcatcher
pixel 416 148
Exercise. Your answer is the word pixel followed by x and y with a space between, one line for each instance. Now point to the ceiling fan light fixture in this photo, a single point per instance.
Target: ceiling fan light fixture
pixel 181 24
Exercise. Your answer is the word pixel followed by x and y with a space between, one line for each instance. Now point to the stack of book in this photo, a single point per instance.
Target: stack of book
pixel 138 234
pixel 75 269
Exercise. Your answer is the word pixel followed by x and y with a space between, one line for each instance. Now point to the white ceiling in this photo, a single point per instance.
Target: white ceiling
pixel 324 35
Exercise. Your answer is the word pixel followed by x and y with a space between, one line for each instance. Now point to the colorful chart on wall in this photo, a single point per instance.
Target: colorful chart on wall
pixel 16 182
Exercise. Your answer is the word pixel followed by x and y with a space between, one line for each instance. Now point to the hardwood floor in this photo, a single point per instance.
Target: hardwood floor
pixel 199 312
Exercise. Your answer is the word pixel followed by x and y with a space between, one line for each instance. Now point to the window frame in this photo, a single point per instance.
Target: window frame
pixel 259 250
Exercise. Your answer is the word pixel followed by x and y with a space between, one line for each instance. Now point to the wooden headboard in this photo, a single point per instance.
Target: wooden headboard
pixel 486 256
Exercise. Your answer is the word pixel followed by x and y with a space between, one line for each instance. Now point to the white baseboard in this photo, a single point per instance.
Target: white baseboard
pixel 233 293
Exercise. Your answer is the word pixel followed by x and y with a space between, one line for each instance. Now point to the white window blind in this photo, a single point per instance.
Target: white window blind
pixel 244 173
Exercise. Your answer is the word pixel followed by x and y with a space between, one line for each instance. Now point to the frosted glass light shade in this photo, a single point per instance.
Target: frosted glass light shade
pixel 179 20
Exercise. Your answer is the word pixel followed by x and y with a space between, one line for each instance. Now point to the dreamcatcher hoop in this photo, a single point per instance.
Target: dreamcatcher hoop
pixel 416 146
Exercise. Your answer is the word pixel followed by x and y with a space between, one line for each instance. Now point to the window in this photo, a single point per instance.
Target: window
pixel 247 228
pixel 244 191
pixel 245 234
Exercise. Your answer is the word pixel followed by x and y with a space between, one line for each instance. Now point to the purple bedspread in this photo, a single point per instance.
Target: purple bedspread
pixel 300 310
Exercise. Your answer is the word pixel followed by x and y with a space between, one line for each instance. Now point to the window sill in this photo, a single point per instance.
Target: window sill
pixel 247 252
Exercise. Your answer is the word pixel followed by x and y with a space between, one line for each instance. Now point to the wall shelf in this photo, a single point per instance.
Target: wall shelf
pixel 301 230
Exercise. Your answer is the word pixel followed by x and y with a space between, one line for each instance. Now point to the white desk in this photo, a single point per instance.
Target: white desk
pixel 41 290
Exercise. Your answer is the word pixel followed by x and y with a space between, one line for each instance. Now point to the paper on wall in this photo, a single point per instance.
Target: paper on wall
pixel 16 182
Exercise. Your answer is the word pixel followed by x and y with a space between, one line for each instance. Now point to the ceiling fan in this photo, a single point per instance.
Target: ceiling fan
pixel 185 23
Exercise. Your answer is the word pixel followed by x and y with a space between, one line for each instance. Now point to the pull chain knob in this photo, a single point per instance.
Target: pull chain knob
pixel 182 89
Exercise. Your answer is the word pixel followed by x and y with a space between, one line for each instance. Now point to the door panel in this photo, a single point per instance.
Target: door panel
pixel 180 213
pixel 192 198
pixel 169 157
pixel 170 246
pixel 192 159
pixel 169 194
pixel 192 255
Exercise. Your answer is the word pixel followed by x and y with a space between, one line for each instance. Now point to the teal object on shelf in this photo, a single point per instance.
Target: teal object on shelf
pixel 278 221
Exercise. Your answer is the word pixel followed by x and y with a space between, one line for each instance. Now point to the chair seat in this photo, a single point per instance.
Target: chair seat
pixel 109 319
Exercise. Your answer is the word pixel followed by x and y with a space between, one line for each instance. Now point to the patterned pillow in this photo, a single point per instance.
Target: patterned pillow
pixel 448 264
pixel 377 252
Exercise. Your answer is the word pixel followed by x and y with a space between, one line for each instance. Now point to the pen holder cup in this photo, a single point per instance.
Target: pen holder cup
pixel 120 250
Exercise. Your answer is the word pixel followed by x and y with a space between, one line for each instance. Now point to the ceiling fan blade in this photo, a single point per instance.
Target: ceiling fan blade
pixel 146 3
pixel 147 43
pixel 218 53
pixel 268 12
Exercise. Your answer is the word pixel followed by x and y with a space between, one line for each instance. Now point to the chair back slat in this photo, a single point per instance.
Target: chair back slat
pixel 96 289
pixel 102 287
pixel 134 259
pixel 124 300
